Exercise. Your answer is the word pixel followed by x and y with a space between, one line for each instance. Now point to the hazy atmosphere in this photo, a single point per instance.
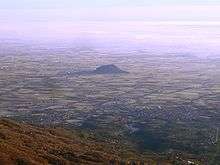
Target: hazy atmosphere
pixel 109 82
pixel 158 23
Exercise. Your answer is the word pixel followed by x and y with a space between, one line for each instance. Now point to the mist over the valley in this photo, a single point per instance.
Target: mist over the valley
pixel 199 39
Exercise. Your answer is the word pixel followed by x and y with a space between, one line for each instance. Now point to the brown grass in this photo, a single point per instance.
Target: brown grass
pixel 25 144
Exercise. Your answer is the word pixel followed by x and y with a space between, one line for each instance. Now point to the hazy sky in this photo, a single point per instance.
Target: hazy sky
pixel 109 10
pixel 103 19
pixel 30 4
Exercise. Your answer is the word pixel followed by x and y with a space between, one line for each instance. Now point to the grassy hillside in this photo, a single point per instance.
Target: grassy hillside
pixel 23 144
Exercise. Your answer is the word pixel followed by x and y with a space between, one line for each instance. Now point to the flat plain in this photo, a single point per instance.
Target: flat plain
pixel 168 104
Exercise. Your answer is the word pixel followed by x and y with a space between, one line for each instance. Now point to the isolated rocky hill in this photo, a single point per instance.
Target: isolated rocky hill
pixel 108 69
pixel 101 70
